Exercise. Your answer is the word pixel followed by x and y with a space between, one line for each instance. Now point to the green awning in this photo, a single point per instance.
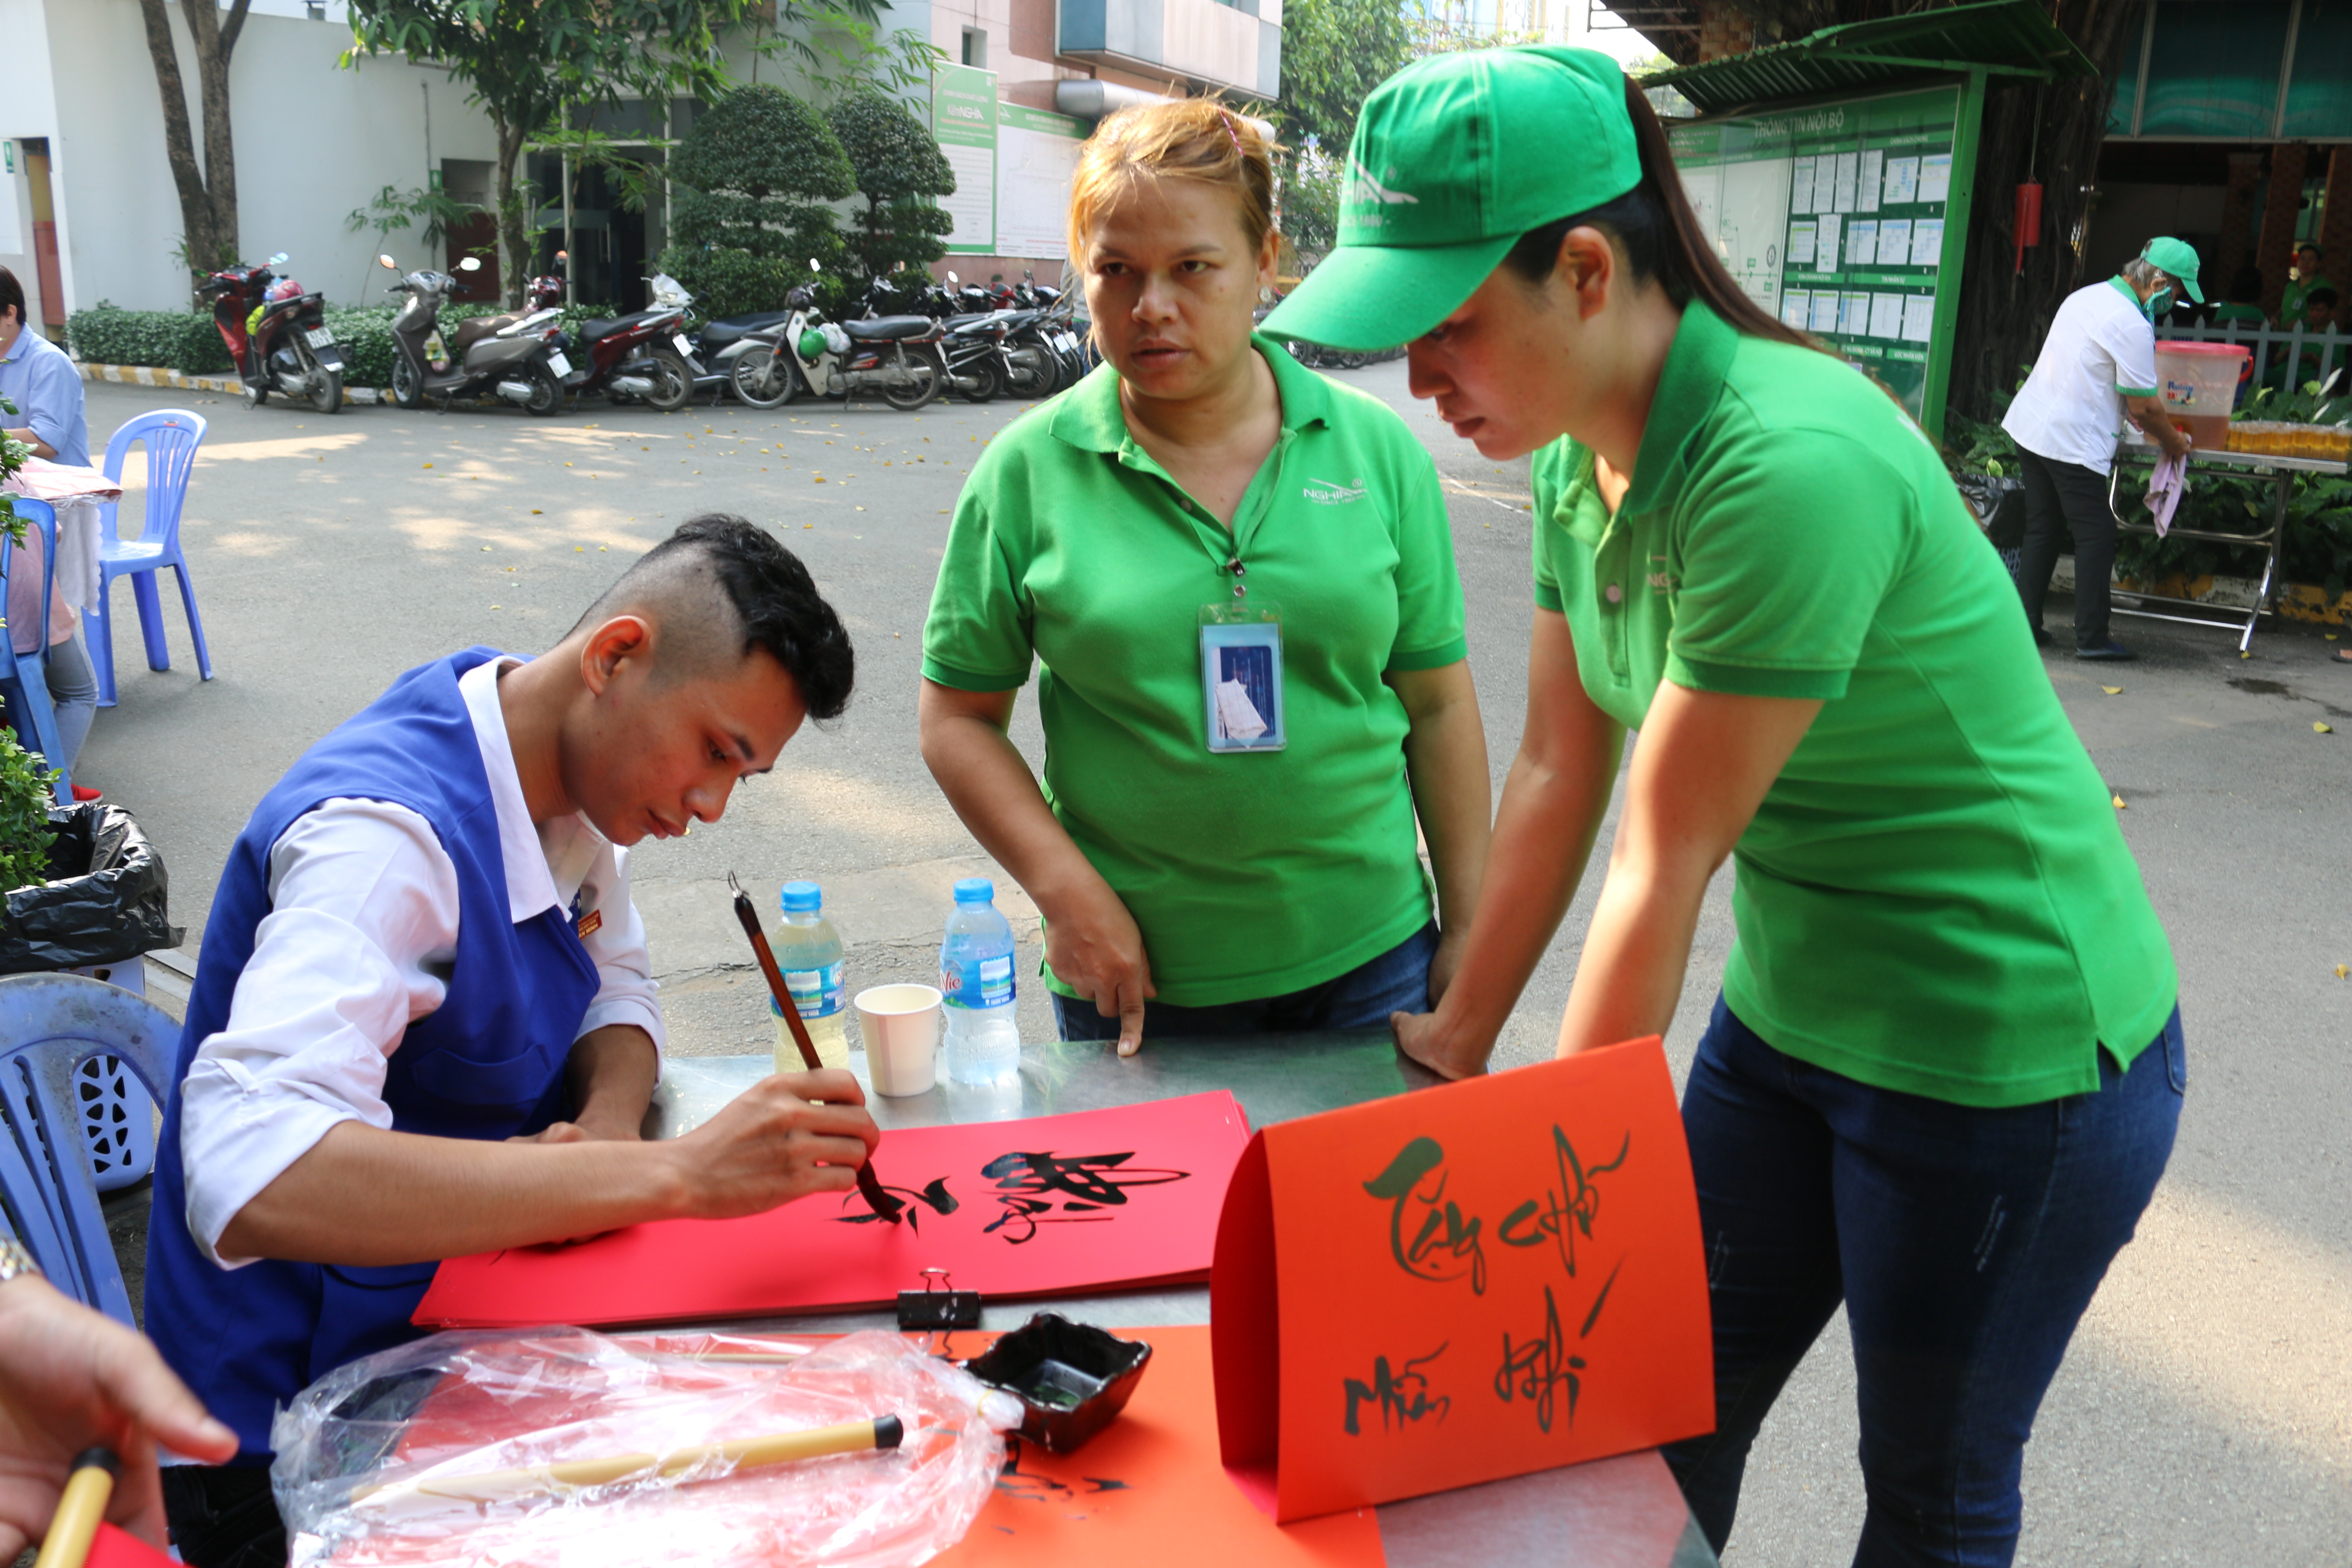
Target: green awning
pixel 2003 37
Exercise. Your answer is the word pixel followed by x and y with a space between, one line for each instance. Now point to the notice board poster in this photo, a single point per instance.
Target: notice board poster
pixel 964 120
pixel 1838 219
pixel 1036 154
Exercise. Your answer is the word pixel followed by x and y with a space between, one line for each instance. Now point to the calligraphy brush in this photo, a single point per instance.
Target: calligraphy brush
pixel 881 1203
pixel 79 1509
pixel 743 1453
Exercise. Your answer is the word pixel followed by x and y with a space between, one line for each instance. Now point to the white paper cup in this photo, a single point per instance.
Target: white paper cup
pixel 901 1024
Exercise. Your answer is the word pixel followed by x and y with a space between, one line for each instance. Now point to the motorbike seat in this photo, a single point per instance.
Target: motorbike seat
pixel 591 330
pixel 474 328
pixel 717 335
pixel 884 328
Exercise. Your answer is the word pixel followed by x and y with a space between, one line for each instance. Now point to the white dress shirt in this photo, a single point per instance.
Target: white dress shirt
pixel 362 907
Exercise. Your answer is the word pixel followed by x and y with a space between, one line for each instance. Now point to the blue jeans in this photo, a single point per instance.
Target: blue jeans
pixel 1965 1243
pixel 1397 980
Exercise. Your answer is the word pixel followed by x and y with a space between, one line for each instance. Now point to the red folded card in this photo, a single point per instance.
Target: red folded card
pixel 1496 1277
pixel 1095 1200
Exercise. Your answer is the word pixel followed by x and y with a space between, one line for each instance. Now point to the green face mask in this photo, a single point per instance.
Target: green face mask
pixel 2159 303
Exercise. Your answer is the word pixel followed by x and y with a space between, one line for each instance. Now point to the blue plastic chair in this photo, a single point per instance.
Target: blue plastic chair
pixel 51 1026
pixel 172 435
pixel 22 682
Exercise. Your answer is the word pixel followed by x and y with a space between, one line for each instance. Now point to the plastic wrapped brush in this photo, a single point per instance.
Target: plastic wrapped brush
pixel 564 1447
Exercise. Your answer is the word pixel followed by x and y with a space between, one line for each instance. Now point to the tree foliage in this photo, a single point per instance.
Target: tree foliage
pixel 752 182
pixel 899 171
pixel 528 60
pixel 1334 52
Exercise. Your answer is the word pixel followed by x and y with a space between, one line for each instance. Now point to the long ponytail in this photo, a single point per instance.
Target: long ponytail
pixel 1661 237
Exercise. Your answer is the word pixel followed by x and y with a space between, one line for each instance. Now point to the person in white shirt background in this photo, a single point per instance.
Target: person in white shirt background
pixel 2097 369
pixel 423 1024
pixel 45 386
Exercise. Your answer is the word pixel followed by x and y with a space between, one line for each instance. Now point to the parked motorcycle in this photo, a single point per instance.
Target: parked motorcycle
pixel 896 356
pixel 511 357
pixel 643 355
pixel 277 335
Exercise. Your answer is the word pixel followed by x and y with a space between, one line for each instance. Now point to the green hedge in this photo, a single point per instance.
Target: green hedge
pixel 184 341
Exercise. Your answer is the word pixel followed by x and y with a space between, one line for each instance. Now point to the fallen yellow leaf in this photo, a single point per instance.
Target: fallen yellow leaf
pixel 534 511
pixel 2113 690
pixel 2343 972
pixel 2120 806
pixel 2245 655
pixel 2322 728
pixel 428 465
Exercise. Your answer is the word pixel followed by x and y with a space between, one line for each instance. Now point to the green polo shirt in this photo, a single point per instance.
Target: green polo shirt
pixel 1934 896
pixel 1256 874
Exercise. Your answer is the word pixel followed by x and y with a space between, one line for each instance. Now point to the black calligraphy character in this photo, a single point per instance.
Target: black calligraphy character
pixel 1405 1397
pixel 1027 1485
pixel 1087 1182
pixel 1443 1233
pixel 1534 1369
pixel 935 1197
pixel 1031 1486
pixel 1577 1198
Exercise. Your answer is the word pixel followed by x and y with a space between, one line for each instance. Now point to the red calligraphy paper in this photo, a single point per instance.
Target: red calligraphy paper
pixel 1454 1286
pixel 1148 1492
pixel 115 1548
pixel 1095 1200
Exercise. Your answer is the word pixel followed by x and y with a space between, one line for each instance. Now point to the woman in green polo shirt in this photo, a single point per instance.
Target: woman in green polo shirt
pixel 1945 1070
pixel 1238 580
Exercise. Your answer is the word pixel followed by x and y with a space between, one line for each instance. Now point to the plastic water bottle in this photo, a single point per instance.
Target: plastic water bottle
pixel 808 950
pixel 983 1043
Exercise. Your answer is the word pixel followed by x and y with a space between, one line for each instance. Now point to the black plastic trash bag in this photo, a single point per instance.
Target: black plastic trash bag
pixel 107 899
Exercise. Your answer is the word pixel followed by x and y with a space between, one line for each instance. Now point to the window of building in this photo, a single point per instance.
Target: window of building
pixel 975 48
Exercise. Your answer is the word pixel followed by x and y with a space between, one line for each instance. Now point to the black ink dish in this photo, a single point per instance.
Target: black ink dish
pixel 1071 1378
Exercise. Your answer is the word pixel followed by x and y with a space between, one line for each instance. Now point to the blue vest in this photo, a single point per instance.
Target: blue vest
pixel 489 1063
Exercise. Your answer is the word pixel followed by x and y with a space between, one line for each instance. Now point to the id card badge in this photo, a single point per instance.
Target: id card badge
pixel 1240 677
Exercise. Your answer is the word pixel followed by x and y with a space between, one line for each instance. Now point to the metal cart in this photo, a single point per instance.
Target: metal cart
pixel 2270 540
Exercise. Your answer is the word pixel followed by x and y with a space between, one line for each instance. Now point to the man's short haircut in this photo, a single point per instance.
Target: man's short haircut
pixel 2323 298
pixel 2307 244
pixel 720 586
pixel 11 293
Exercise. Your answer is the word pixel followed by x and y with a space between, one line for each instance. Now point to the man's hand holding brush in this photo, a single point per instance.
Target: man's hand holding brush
pixel 788 1136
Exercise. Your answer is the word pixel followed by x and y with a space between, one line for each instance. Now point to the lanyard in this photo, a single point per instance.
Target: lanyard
pixel 1226 552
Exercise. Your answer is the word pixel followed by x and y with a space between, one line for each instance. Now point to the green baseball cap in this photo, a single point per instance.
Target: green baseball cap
pixel 1455 158
pixel 2178 258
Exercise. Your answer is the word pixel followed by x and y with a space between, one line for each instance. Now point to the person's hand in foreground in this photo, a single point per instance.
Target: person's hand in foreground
pixel 1425 1037
pixel 1094 946
pixel 71 1379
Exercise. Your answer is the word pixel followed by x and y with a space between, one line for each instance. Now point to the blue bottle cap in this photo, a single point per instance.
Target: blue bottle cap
pixel 800 897
pixel 975 890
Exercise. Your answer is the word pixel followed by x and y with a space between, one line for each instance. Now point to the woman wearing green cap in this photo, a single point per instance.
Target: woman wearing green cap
pixel 1944 1072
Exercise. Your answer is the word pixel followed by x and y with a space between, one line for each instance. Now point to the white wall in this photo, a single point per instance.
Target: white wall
pixel 312 142
pixel 26 109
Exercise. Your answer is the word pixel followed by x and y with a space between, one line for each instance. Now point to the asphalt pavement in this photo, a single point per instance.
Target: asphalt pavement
pixel 2204 1414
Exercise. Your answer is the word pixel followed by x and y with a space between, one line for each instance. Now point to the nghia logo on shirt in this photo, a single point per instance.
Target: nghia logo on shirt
pixel 1330 492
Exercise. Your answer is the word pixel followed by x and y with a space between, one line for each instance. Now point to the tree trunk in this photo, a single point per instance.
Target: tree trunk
pixel 207 193
pixel 513 232
pixel 2050 133
pixel 216 41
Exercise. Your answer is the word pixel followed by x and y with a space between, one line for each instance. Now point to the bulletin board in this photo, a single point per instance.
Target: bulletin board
pixel 1848 220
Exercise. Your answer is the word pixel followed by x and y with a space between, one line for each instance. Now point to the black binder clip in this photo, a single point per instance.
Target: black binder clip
pixel 938 1306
